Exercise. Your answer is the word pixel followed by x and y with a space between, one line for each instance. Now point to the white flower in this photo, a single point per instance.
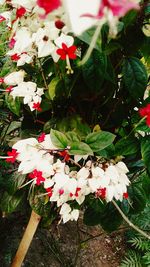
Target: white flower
pixel 7 16
pixel 66 39
pixel 28 4
pixel 68 214
pixel 23 41
pixel 24 89
pixel 76 9
pixel 15 77
pixel 48 183
pixel 47 144
pixel 24 58
pixel 43 39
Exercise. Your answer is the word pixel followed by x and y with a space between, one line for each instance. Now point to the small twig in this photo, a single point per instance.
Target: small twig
pixel 104 233
pixel 129 222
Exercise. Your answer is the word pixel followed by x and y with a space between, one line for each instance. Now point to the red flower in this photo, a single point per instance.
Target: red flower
pixel 49 5
pixel 145 112
pixel 2 19
pixel 49 191
pixel 77 191
pixel 20 12
pixel 101 192
pixel 118 7
pixel 67 51
pixel 15 57
pixel 37 175
pixel 61 192
pixel 36 106
pixel 1 80
pixel 13 155
pixel 9 89
pixel 11 43
pixel 41 138
pixel 126 195
pixel 65 155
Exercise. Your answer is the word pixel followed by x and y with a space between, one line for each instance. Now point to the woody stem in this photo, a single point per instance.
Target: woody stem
pixel 26 240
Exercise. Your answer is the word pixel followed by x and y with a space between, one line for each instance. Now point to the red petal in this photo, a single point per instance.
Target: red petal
pixel 61 53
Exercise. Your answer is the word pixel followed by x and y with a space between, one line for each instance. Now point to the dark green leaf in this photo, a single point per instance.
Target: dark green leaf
pixel 109 218
pixel 99 140
pixel 134 77
pixel 127 146
pixel 9 203
pixel 145 151
pixel 91 217
pixel 94 70
pixel 138 197
pixel 107 153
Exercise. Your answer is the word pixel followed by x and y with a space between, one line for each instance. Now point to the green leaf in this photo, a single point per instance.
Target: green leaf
pixel 127 146
pixel 58 139
pixel 15 181
pixel 52 87
pixel 109 218
pixel 99 140
pixel 80 148
pixel 134 77
pixel 145 151
pixel 13 126
pixel 107 153
pixel 94 70
pixel 138 197
pixel 132 259
pixel 39 203
pixel 9 203
pixel 13 104
pixel 87 36
pixel 72 136
pixel 91 217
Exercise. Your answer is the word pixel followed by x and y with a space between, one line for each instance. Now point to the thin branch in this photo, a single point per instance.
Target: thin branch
pixel 92 45
pixel 129 222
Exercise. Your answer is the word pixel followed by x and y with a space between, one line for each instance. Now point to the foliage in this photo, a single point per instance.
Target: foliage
pixel 139 251
pixel 88 110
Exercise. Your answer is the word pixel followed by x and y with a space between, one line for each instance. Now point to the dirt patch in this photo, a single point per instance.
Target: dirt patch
pixel 61 246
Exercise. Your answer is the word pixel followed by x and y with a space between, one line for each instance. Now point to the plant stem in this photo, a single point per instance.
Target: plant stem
pixel 92 45
pixel 129 222
pixel 26 240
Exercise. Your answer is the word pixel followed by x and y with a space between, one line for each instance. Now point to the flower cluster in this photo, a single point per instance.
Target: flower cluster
pixel 44 166
pixel 17 87
pixel 45 28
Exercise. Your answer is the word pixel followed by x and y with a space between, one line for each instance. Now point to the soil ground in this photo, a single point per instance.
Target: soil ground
pixel 59 246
